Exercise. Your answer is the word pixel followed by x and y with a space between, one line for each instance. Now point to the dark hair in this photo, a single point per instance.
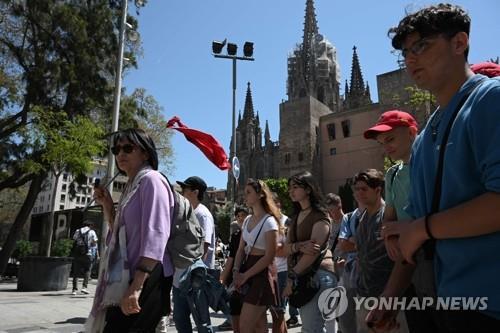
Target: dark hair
pixel 331 199
pixel 267 199
pixel 141 139
pixel 372 177
pixel 306 180
pixel 240 209
pixel 443 18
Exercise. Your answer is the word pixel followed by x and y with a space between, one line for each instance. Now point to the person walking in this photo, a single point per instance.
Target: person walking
pixel 83 252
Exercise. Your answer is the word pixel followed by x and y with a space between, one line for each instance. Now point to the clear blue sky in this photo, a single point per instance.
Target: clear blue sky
pixel 178 68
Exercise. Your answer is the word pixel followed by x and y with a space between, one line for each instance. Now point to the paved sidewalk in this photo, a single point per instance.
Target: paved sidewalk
pixel 53 311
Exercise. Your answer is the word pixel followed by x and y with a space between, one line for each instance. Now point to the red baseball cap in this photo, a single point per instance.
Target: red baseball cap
pixel 390 120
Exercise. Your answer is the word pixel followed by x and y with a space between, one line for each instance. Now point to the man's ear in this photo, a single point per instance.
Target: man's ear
pixel 460 43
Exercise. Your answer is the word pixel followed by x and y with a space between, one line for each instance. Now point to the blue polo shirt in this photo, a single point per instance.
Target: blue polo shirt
pixel 464 266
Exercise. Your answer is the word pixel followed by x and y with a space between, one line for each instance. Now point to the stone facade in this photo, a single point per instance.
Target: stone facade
pixel 320 130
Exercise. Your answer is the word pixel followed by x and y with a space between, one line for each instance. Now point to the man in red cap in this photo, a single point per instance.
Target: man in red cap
pixel 396 131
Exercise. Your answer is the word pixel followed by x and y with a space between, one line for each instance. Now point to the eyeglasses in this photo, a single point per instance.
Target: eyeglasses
pixel 418 47
pixel 127 149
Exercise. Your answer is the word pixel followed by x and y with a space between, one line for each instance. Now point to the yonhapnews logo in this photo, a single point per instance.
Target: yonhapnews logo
pixel 332 303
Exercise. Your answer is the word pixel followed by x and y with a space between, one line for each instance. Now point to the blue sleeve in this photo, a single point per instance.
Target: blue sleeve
pixel 345 230
pixel 484 131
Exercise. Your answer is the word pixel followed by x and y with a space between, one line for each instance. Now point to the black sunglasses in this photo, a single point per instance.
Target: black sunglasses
pixel 127 149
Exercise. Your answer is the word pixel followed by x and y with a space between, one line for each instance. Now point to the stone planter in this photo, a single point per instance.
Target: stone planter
pixel 44 273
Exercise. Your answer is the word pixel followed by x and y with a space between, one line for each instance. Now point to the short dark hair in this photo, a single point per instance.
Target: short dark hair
pixel 331 199
pixel 443 18
pixel 372 177
pixel 240 209
pixel 141 139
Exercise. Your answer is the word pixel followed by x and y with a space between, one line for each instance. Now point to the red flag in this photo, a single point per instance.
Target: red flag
pixel 489 69
pixel 204 141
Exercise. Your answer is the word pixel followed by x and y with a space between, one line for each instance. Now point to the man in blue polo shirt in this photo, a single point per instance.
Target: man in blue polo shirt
pixel 465 226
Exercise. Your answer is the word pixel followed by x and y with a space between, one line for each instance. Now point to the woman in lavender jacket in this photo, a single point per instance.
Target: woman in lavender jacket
pixel 133 288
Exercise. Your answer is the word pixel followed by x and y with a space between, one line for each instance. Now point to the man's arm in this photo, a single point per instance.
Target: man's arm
pixel 475 217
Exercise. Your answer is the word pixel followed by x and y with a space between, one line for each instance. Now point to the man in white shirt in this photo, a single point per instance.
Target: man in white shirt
pixel 85 240
pixel 193 189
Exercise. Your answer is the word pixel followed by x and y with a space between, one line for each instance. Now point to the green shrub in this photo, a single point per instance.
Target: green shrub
pixel 62 247
pixel 23 248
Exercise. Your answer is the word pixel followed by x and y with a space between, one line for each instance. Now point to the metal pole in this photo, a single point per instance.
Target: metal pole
pixel 116 109
pixel 234 125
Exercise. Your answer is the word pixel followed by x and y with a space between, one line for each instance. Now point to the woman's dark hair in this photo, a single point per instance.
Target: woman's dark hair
pixel 306 180
pixel 267 199
pixel 443 19
pixel 142 140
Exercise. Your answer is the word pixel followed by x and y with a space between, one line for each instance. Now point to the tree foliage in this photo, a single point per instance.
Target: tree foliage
pixel 58 64
pixel 280 187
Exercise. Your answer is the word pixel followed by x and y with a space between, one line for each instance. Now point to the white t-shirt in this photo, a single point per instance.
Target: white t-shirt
pixel 207 223
pixel 267 223
pixel 89 235
pixel 281 262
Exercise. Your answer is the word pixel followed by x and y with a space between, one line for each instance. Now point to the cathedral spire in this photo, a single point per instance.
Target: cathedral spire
pixel 248 111
pixel 357 83
pixel 267 135
pixel 357 95
pixel 308 51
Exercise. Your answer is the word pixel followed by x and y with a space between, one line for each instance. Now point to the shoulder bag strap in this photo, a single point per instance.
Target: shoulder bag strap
pixel 430 245
pixel 257 237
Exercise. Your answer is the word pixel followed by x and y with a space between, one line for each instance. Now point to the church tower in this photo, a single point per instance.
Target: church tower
pixel 256 158
pixel 313 91
pixel 313 69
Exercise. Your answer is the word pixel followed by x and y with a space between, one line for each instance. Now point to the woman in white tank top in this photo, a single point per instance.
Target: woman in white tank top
pixel 254 260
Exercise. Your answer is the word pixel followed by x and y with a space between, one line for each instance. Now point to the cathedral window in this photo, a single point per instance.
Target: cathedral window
pixel 333 151
pixel 331 131
pixel 301 157
pixel 346 128
pixel 287 158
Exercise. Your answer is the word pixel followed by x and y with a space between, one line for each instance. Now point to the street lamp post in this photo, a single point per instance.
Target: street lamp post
pixel 116 108
pixel 231 54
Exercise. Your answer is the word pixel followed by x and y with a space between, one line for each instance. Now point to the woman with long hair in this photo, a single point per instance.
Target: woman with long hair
pixel 135 278
pixel 308 240
pixel 253 269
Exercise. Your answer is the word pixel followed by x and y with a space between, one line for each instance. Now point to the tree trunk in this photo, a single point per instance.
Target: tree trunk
pixel 21 219
pixel 50 225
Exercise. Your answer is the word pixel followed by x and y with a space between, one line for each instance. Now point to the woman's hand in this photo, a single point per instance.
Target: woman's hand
pixel 239 279
pixel 130 302
pixel 288 289
pixel 309 247
pixel 103 197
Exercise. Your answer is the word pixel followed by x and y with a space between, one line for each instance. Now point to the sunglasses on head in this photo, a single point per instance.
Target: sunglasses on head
pixel 127 149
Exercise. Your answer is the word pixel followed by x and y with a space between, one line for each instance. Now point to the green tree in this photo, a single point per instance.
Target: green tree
pixel 57 56
pixel 223 217
pixel 69 147
pixel 142 110
pixel 280 187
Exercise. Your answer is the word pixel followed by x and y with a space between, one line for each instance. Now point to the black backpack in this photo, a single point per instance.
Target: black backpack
pixel 81 245
pixel 186 242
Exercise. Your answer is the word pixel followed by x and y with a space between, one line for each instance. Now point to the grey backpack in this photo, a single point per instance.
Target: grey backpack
pixel 186 242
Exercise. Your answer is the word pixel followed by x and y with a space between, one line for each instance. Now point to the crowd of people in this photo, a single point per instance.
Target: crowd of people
pixel 429 227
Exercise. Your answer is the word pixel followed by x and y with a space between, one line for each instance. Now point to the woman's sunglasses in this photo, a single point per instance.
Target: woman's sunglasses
pixel 127 149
